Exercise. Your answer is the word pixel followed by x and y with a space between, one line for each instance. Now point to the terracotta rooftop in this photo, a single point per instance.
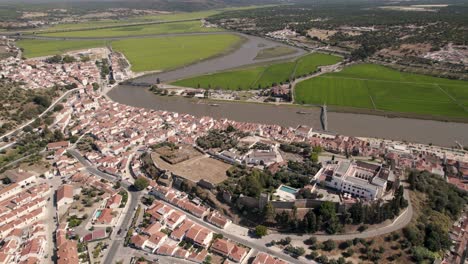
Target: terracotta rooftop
pixel 64 191
pixel 153 228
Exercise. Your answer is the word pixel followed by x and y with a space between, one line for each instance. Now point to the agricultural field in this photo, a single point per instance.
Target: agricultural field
pixel 177 27
pixel 166 53
pixel 380 88
pixel 38 48
pixel 141 19
pixel 233 80
pixel 274 52
pixel 309 63
pixel 147 54
pixel 274 74
pixel 198 14
pixel 260 76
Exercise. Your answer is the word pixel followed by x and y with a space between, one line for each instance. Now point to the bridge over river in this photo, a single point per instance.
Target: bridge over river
pixel 351 124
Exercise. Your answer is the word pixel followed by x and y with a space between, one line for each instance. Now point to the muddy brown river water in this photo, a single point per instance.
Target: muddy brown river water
pixel 414 130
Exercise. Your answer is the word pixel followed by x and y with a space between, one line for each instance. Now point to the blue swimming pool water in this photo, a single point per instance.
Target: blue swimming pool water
pixel 288 189
pixel 98 213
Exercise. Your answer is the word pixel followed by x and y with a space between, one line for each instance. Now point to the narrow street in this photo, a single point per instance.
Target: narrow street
pixel 117 241
pixel 244 238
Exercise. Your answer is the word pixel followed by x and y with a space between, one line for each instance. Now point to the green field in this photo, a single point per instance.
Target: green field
pixel 241 80
pixel 260 76
pixel 380 88
pixel 141 19
pixel 166 53
pixel 134 20
pixel 177 27
pixel 146 54
pixel 310 63
pixel 38 48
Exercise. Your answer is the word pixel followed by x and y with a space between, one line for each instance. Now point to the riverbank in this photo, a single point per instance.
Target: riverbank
pixel 349 124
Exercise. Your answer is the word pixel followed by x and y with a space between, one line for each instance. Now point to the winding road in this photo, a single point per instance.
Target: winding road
pixel 234 231
pixel 117 241
pixel 18 129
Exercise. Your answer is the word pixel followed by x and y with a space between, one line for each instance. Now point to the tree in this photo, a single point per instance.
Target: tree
pixel 317 149
pixel 314 157
pixel 310 222
pixel 230 129
pixel 327 211
pixel 295 251
pixel 207 260
pixel 322 259
pixel 41 100
pixel 261 231
pixel 436 239
pixel 68 59
pixel 58 107
pixel 141 183
pixel 312 255
pixel 310 241
pixel 58 135
pixel 348 253
pixel 268 212
pixel 54 59
pixel 414 235
pixel 329 245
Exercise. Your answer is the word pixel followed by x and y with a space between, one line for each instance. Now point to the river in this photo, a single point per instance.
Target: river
pixel 350 124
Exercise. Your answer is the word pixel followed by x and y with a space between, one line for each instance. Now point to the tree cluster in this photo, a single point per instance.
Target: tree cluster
pixel 376 212
pixel 222 139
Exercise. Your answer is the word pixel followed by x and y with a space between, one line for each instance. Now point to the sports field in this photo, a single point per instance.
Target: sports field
pixel 380 88
pixel 166 53
pixel 260 76
pixel 178 27
pixel 38 48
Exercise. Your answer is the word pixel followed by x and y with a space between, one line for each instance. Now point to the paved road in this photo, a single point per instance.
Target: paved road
pixel 328 69
pixel 161 259
pixel 246 240
pixel 117 241
pixel 67 93
pixel 8 145
pixel 239 233
pixel 399 223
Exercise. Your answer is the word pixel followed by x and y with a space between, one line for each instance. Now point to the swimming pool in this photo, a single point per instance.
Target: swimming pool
pixel 98 213
pixel 288 189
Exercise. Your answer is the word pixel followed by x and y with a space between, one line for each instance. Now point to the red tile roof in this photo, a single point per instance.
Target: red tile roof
pixel 64 191
pixel 166 250
pixel 222 246
pixel 138 240
pixel 106 216
pixel 157 237
pixel 67 253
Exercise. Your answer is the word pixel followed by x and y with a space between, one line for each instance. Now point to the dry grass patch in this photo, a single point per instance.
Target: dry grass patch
pixel 195 169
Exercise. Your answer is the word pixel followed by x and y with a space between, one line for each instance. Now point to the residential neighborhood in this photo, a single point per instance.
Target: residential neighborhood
pixel 111 161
